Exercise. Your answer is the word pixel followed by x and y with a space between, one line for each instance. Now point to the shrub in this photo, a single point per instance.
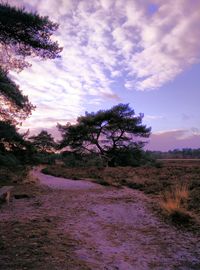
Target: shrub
pixel 8 160
pixel 176 198
pixel 175 204
pixel 72 159
pixel 43 158
pixel 16 175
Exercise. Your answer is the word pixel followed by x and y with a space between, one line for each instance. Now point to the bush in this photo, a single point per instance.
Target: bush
pixel 8 160
pixel 175 204
pixel 123 157
pixel 72 159
pixel 133 157
pixel 43 158
pixel 17 174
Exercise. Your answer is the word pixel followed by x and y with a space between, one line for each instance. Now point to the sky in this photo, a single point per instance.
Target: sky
pixel 142 52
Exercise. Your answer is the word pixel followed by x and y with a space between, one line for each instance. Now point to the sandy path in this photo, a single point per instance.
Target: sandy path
pixel 116 230
pixel 112 228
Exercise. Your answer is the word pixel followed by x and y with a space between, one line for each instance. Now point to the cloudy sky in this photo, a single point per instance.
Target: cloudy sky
pixel 142 52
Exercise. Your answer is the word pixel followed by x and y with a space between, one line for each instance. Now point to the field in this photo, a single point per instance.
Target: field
pixel 175 184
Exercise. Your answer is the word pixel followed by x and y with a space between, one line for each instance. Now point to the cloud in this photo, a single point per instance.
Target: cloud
pixel 162 49
pixel 153 117
pixel 173 139
pixel 151 46
pixel 145 44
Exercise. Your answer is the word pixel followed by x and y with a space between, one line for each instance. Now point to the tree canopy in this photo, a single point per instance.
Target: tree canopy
pixel 106 132
pixel 22 34
pixel 10 139
pixel 43 142
pixel 14 106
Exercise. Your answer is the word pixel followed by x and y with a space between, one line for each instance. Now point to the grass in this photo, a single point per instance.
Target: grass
pixel 177 182
pixel 175 204
pixel 176 198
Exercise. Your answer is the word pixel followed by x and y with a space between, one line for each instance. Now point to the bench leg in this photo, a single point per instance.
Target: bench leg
pixel 8 197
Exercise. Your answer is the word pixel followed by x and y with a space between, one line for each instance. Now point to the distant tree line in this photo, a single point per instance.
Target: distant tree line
pixel 176 153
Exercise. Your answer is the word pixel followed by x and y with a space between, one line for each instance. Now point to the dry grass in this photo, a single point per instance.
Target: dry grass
pixel 175 204
pixel 175 199
pixel 182 192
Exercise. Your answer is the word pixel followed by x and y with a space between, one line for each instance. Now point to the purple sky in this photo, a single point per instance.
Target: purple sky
pixel 146 53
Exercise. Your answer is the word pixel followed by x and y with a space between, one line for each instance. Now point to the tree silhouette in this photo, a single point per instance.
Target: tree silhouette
pixel 22 34
pixel 14 106
pixel 106 132
pixel 43 142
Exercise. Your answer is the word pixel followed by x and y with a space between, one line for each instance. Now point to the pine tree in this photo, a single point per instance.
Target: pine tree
pixel 22 34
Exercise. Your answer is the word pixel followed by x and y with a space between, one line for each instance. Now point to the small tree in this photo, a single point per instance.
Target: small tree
pixel 43 142
pixel 108 133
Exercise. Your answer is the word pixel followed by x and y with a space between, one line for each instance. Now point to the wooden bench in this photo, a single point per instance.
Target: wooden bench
pixel 5 193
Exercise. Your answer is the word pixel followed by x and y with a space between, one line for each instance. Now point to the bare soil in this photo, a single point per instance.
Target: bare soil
pixel 71 224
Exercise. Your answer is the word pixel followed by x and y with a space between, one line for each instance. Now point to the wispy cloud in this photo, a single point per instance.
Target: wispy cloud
pixel 153 117
pixel 145 44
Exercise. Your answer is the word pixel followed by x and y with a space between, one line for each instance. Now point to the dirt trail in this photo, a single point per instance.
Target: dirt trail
pixel 108 228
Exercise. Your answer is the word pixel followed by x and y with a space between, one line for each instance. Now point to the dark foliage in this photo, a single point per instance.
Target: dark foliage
pixel 14 149
pixel 9 137
pixel 74 159
pixel 111 133
pixel 24 34
pixel 43 142
pixel 14 106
